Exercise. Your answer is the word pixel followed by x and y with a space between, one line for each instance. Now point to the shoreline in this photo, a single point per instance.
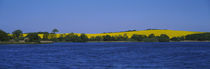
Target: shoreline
pixel 49 42
pixel 145 42
pixel 41 42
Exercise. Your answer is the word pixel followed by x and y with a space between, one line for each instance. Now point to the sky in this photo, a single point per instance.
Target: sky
pixel 98 16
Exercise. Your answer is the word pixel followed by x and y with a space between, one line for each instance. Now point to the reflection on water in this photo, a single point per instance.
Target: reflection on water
pixel 128 55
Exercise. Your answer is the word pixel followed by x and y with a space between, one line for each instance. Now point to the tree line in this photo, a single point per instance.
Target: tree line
pixel 17 35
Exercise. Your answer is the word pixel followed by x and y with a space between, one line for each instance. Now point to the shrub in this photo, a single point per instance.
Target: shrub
pixel 3 36
pixel 163 38
pixel 138 37
pixel 177 39
pixel 150 40
pixel 83 38
pixel 201 37
pixel 33 37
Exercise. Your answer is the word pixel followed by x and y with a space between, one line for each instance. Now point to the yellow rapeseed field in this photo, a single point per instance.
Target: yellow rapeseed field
pixel 170 33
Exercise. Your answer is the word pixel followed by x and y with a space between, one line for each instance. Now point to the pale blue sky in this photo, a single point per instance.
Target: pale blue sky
pixel 95 16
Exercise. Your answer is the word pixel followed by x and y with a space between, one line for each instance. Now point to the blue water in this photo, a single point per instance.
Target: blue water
pixel 127 55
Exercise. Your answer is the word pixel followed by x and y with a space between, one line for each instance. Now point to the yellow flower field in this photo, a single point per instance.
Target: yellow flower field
pixel 170 33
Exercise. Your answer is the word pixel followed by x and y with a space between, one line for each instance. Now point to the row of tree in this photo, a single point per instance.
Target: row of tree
pixel 18 35
pixel 200 37
pixel 34 37
pixel 151 38
pixel 72 38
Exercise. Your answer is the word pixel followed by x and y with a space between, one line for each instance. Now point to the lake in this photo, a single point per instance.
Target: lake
pixel 106 55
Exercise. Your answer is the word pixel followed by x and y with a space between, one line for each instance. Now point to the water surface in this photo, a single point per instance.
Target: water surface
pixel 110 55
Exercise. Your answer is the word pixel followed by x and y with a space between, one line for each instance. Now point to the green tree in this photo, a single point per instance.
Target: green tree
pixel 54 31
pixel 76 38
pixel 177 39
pixel 163 38
pixel 45 37
pixel 151 36
pixel 97 38
pixel 150 40
pixel 33 37
pixel 108 38
pixel 118 38
pixel 200 37
pixel 17 34
pixel 3 36
pixel 138 37
pixel 69 37
pixel 83 37
pixel 125 37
